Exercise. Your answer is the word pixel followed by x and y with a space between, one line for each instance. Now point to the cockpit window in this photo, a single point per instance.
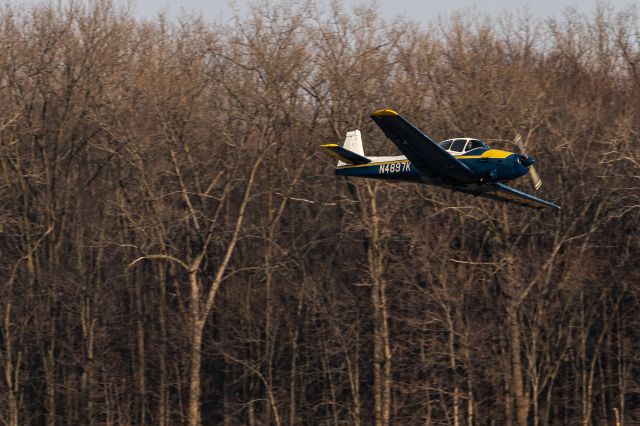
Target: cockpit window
pixel 445 144
pixel 473 144
pixel 458 145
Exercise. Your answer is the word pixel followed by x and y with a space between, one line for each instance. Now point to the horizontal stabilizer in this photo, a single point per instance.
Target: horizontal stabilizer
pixel 344 155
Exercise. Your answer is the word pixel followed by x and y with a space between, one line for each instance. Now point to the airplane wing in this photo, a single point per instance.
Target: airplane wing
pixel 502 192
pixel 426 155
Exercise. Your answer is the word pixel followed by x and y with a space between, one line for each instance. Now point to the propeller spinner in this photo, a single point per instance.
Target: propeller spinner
pixel 527 161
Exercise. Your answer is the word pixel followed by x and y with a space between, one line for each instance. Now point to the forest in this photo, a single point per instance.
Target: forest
pixel 175 249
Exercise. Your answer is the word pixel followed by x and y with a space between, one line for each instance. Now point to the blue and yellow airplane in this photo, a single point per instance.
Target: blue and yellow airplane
pixel 461 164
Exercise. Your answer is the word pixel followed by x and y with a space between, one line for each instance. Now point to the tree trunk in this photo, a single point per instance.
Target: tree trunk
pixel 382 349
pixel 194 376
pixel 11 369
pixel 140 333
pixel 163 403
pixel 522 403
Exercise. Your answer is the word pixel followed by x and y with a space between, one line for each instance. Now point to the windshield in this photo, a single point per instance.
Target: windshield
pixel 462 145
pixel 458 145
pixel 445 144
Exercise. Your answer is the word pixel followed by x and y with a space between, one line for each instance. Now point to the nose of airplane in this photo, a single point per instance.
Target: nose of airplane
pixel 526 161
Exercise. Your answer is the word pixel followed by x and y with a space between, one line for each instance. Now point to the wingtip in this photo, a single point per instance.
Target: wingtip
pixel 382 112
pixel 554 207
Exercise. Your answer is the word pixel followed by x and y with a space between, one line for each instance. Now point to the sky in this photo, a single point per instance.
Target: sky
pixel 417 10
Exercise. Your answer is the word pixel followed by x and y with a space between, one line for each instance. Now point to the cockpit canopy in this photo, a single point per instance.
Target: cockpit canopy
pixel 461 145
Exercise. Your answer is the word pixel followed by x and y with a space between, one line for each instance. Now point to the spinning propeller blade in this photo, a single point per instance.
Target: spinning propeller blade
pixel 537 182
pixel 535 177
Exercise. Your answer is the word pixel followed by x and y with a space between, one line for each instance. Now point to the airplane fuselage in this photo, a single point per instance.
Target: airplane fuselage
pixel 488 165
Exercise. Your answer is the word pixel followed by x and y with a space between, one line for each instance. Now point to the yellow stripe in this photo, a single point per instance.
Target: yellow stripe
pixel 384 112
pixel 492 153
pixel 373 164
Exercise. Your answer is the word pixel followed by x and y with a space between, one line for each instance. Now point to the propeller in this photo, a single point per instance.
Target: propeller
pixel 528 162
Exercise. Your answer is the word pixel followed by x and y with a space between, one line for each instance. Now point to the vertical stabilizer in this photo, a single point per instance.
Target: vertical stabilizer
pixel 353 142
pixel 351 151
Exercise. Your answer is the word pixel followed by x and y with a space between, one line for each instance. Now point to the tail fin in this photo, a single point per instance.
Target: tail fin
pixel 353 142
pixel 351 152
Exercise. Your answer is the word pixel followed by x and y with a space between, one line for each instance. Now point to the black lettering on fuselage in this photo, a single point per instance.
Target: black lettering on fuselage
pixel 399 166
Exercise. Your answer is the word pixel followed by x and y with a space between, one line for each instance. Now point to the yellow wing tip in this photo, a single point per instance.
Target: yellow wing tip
pixel 381 112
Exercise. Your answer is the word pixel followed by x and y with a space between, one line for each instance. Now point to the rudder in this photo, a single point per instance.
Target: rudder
pixel 353 142
pixel 351 151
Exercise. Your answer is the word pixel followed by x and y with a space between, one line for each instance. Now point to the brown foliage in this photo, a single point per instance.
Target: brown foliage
pixel 174 251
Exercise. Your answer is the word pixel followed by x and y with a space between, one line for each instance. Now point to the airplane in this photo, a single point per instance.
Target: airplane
pixel 461 164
